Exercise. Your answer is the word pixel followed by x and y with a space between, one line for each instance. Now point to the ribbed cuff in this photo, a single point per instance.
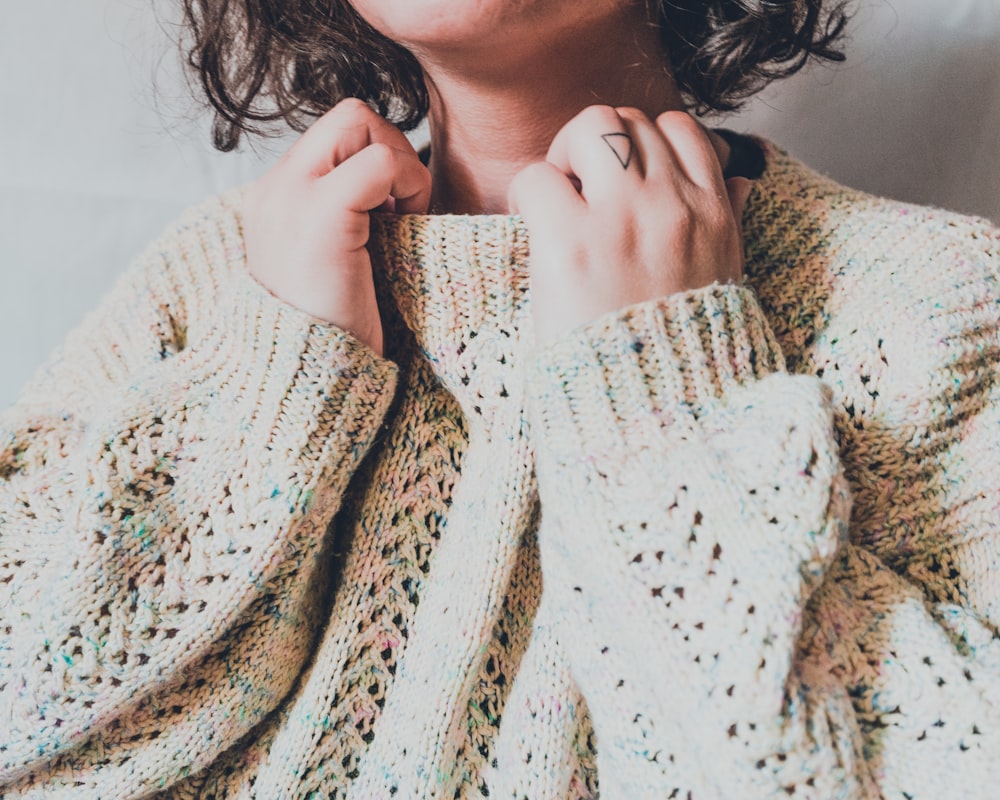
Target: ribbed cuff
pixel 662 363
pixel 297 384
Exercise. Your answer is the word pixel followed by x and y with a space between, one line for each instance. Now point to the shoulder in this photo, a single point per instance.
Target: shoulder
pixel 885 300
pixel 797 214
pixel 168 296
pixel 208 234
pixel 185 270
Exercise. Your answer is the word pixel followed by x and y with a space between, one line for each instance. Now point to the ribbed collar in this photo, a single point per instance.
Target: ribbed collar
pixel 456 278
pixel 460 284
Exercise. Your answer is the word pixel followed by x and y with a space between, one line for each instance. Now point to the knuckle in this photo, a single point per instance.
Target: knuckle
pixel 353 107
pixel 527 177
pixel 683 219
pixel 380 149
pixel 676 119
pixel 534 172
pixel 599 115
pixel 424 175
pixel 381 155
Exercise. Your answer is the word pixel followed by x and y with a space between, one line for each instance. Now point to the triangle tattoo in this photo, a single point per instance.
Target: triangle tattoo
pixel 621 146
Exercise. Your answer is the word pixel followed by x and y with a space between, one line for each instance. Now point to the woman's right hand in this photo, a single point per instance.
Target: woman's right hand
pixel 307 219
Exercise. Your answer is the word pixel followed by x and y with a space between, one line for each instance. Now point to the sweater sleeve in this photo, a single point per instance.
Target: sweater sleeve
pixel 165 484
pixel 694 532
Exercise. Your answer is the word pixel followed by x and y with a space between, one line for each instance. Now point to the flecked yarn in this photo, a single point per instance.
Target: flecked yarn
pixel 740 542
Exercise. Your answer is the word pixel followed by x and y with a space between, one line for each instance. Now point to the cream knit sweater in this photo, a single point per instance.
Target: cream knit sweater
pixel 735 543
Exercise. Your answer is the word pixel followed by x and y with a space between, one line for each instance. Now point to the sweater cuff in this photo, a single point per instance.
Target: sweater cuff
pixel 661 364
pixel 293 383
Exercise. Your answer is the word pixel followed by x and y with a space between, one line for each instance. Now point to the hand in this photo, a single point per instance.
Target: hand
pixel 307 219
pixel 624 210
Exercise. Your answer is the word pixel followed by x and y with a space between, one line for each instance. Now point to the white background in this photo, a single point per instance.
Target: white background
pixel 94 162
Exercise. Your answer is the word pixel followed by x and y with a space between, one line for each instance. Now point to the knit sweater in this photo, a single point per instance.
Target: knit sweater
pixel 739 542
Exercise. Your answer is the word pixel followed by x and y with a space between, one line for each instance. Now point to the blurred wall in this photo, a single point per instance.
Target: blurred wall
pixel 914 113
pixel 93 162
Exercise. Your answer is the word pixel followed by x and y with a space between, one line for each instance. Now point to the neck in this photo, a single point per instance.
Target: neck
pixel 488 120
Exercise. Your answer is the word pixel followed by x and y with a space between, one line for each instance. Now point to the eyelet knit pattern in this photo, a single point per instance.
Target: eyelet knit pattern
pixel 738 542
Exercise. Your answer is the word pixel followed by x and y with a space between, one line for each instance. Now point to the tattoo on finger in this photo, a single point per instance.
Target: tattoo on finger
pixel 621 145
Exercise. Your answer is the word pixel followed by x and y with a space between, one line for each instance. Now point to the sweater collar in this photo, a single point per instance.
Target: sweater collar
pixel 458 278
pixel 454 278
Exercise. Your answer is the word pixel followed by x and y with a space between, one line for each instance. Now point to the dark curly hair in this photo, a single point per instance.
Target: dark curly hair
pixel 260 61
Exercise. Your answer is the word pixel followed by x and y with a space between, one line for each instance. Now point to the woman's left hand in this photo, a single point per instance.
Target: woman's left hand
pixel 624 210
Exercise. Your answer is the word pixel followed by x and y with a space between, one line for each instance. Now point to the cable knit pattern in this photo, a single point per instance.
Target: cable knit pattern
pixel 738 542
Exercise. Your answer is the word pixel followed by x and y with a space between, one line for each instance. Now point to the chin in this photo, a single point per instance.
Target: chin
pixel 456 24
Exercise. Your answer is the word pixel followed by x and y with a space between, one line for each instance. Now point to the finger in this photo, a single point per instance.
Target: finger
pixel 738 190
pixel 346 129
pixel 693 149
pixel 597 147
pixel 369 177
pixel 542 190
pixel 656 156
pixel 411 186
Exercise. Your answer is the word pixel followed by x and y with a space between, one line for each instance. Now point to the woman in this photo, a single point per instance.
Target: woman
pixel 618 518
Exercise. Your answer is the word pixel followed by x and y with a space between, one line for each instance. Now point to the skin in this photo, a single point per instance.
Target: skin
pixel 525 98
